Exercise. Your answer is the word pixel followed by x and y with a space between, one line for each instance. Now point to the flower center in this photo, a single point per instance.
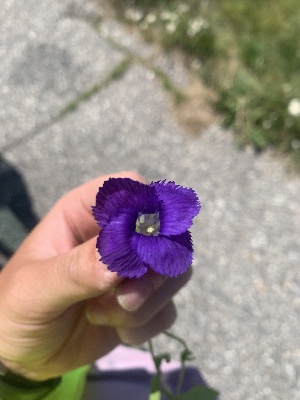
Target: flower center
pixel 148 224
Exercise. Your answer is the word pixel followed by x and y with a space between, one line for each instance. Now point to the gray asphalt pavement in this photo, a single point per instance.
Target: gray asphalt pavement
pixel 78 98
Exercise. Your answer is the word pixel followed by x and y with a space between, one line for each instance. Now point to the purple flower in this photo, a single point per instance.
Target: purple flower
pixel 145 226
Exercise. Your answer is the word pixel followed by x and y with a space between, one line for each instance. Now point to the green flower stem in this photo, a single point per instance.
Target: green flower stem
pixel 179 339
pixel 152 352
pixel 163 385
pixel 181 378
pixel 182 367
pixel 159 385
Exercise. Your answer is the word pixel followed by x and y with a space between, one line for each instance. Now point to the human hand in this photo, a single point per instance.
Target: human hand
pixel 61 308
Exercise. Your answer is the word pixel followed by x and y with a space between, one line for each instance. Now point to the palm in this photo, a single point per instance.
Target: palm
pixel 67 342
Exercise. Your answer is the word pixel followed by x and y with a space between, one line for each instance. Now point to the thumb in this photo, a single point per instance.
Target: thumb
pixel 55 284
pixel 81 275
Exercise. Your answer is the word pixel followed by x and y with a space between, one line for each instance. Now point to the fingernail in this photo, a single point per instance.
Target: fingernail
pixel 132 294
pixel 157 280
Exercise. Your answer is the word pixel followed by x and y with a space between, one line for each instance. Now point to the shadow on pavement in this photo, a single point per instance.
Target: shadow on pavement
pixel 17 216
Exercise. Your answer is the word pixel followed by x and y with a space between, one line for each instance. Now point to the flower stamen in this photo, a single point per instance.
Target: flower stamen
pixel 148 224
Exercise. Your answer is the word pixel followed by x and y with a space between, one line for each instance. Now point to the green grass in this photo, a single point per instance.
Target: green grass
pixel 249 53
pixel 116 73
pixel 177 94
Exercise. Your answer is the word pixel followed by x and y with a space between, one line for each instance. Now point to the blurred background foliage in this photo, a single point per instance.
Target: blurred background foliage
pixel 247 51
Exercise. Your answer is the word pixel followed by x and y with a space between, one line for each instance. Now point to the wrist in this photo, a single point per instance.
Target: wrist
pixel 22 372
pixel 68 387
pixel 13 386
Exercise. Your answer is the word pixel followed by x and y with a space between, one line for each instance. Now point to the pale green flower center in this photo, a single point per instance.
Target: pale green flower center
pixel 148 224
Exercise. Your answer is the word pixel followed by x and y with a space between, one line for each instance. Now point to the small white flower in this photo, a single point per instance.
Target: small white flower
pixel 171 27
pixel 295 144
pixel 294 108
pixel 150 18
pixel 133 15
pixel 267 124
pixel 196 25
pixel 168 16
pixel 196 64
pixel 183 8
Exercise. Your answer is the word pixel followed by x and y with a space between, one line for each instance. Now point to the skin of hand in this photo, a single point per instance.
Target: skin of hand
pixel 61 308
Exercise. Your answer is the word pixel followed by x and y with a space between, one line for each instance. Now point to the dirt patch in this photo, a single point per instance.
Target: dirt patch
pixel 196 113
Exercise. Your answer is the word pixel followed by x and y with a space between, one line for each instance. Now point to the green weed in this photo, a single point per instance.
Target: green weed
pixel 250 55
pixel 116 73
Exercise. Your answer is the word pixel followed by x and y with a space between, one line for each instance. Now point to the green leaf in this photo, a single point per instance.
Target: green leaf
pixel 187 355
pixel 158 359
pixel 155 395
pixel 198 393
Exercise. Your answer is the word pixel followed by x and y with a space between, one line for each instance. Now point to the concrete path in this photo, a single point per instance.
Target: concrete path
pixel 81 96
